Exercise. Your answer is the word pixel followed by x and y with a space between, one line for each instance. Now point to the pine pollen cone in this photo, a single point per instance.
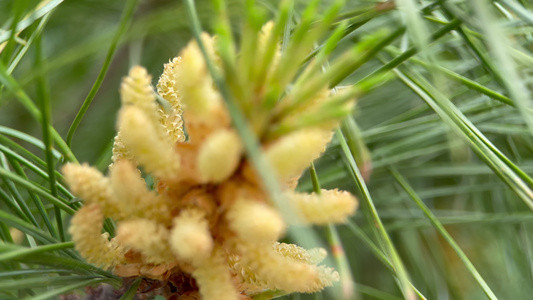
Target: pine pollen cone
pixel 208 216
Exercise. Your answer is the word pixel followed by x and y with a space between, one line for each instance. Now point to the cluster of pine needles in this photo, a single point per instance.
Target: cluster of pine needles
pixel 437 145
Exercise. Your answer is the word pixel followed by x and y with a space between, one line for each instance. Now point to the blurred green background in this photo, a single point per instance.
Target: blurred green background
pixel 470 162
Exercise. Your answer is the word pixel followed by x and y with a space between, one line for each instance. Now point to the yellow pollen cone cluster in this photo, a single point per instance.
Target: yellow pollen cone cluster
pixel 208 217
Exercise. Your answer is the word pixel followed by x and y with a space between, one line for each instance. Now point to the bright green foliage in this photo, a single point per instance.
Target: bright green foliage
pixel 439 154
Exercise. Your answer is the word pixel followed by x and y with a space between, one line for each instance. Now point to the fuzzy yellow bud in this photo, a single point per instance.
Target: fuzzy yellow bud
pixel 134 199
pixel 253 283
pixel 92 187
pixel 120 151
pixel 264 37
pixel 214 279
pixel 190 237
pixel 166 86
pixel 154 153
pixel 282 272
pixel 205 111
pixel 290 155
pixel 332 206
pixel 85 229
pixel 312 256
pixel 147 237
pixel 255 221
pixel 219 156
pixel 194 83
pixel 171 120
pixel 136 90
